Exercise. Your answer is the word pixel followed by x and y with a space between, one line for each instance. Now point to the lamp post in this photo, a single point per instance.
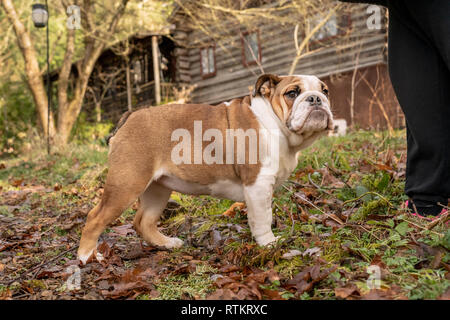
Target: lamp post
pixel 40 14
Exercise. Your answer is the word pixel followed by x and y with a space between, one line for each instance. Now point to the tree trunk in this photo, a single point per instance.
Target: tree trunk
pixel 98 112
pixel 130 106
pixel 68 111
pixel 156 65
pixel 34 80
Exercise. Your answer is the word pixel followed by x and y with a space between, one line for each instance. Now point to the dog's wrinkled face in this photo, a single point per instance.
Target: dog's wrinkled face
pixel 299 101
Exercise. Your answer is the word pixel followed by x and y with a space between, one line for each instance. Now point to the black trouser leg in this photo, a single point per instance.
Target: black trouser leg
pixel 419 67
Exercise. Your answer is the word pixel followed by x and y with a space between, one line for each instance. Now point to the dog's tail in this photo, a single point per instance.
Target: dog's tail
pixel 119 124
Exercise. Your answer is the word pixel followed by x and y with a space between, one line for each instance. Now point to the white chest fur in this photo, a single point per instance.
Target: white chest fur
pixel 286 157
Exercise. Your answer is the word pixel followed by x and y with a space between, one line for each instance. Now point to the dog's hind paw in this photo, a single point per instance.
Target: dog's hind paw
pixel 85 258
pixel 173 243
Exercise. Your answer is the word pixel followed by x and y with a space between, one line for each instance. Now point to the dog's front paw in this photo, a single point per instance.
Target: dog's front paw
pixel 267 239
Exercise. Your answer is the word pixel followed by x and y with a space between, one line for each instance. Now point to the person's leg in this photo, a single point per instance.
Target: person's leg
pixel 433 17
pixel 421 79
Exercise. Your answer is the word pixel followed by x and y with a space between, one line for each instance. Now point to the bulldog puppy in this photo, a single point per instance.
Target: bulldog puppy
pixel 190 148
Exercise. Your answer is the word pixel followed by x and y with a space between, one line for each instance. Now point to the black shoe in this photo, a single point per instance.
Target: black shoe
pixel 423 209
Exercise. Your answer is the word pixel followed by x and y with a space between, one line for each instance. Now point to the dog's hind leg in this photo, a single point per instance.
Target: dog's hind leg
pixel 152 204
pixel 119 194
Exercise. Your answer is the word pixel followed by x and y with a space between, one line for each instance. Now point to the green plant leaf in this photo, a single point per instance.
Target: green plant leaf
pixel 360 190
pixel 403 228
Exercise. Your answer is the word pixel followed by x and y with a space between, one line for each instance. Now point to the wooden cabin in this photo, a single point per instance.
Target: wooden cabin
pixel 345 53
pixel 130 76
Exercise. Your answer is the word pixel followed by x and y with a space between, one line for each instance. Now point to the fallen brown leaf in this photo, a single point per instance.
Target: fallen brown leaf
pixel 223 294
pixel 123 230
pixel 231 212
pixel 345 292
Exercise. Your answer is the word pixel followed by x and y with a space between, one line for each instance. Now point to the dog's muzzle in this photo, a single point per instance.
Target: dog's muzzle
pixel 310 115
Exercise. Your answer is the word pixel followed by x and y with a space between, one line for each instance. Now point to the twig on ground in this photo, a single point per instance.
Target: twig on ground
pixel 317 186
pixel 316 207
pixel 362 227
pixel 443 218
pixel 423 228
pixel 366 193
pixel 337 173
pixel 40 266
pixel 295 183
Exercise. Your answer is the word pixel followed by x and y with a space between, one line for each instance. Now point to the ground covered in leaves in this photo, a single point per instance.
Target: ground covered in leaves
pixel 338 218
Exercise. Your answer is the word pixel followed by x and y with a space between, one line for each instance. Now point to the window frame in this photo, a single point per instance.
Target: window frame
pixel 347 19
pixel 208 74
pixel 243 44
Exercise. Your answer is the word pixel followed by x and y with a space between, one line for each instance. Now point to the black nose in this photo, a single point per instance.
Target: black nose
pixel 314 100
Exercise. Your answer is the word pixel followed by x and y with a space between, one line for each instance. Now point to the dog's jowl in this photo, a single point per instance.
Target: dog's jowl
pixel 239 150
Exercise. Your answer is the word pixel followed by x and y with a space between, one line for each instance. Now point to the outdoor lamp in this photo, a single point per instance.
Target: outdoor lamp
pixel 39 15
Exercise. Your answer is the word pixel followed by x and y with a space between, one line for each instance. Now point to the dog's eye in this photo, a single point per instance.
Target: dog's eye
pixel 325 92
pixel 292 94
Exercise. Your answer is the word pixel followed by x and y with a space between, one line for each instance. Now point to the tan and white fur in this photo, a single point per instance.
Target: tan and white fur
pixel 295 108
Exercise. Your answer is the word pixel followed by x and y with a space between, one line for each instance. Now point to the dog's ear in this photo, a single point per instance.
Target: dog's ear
pixel 265 84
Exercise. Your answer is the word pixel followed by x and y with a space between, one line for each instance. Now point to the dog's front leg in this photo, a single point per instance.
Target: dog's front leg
pixel 258 198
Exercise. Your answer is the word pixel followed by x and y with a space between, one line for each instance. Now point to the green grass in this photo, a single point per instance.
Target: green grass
pixel 74 163
pixel 194 285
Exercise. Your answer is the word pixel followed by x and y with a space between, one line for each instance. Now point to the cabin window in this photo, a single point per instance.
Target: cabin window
pixel 251 48
pixel 208 61
pixel 329 29
pixel 334 27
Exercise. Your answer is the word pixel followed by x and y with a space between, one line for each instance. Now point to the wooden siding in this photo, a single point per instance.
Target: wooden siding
pixel 278 52
pixel 375 105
